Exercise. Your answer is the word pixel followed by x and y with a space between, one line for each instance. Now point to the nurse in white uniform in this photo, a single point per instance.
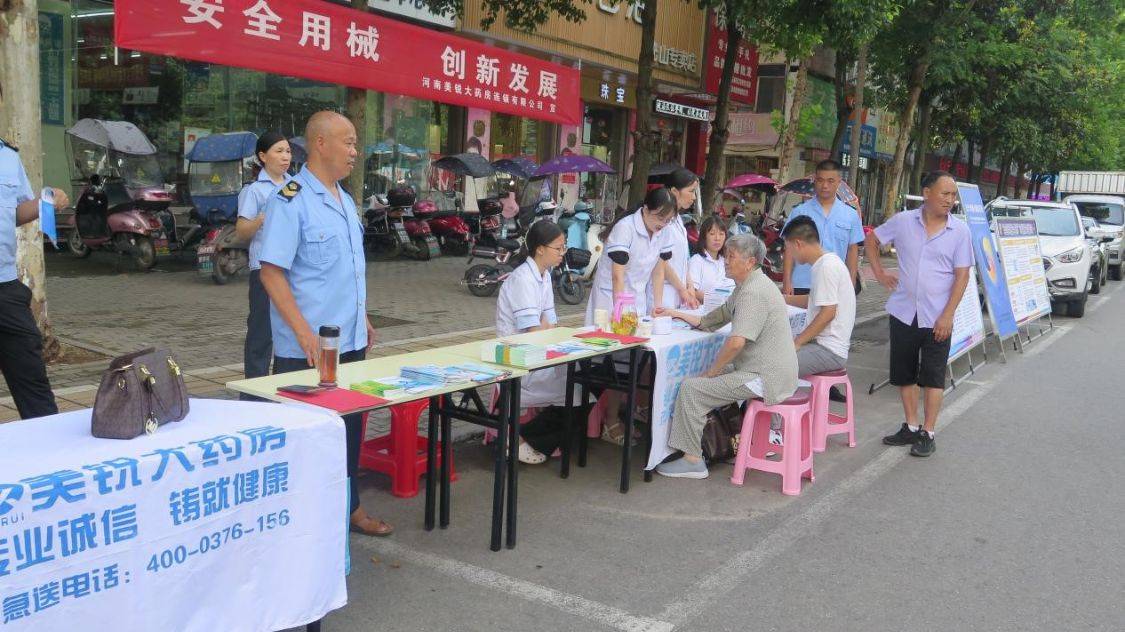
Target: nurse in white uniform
pixel 669 288
pixel 635 245
pixel 527 303
pixel 707 270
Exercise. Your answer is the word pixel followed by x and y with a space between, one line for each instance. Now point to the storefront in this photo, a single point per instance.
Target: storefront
pixel 605 46
pixel 275 64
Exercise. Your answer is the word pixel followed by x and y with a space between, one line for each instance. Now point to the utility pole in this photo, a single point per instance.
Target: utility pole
pixel 20 123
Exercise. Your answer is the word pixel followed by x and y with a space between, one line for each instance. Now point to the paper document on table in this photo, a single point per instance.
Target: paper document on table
pixel 798 319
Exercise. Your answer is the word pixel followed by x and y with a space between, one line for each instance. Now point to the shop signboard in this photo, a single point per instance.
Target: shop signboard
pixel 52 77
pixel 747 128
pixel 321 41
pixel 680 110
pixel 867 136
pixel 744 83
pixel 413 9
pixel 617 91
pixel 1017 238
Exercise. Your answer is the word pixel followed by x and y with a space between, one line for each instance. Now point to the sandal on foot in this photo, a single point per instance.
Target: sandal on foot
pixel 530 455
pixel 615 434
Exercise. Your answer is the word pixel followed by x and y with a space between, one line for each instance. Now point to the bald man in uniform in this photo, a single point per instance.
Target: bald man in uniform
pixel 313 269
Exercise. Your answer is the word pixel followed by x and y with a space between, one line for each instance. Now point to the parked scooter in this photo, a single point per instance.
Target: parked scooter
pixel 117 210
pixel 691 226
pixel 384 233
pixel 451 231
pixel 217 171
pixel 483 279
pixel 424 246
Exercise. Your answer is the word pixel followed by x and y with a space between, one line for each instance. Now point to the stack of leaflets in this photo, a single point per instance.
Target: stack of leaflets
pixel 602 343
pixel 387 387
pixel 425 374
pixel 512 354
pixel 567 348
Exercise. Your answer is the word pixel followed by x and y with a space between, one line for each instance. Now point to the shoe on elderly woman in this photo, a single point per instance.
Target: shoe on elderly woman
pixel 683 468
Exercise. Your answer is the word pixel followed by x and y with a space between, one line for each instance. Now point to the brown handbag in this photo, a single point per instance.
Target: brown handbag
pixel 139 392
pixel 721 433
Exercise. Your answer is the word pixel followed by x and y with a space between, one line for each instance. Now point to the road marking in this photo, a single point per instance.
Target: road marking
pixel 590 610
pixel 729 577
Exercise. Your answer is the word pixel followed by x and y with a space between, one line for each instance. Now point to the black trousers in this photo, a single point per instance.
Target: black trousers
pixel 21 353
pixel 546 432
pixel 353 424
pixel 258 349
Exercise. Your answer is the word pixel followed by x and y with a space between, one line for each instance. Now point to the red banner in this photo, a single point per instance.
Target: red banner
pixel 744 85
pixel 317 40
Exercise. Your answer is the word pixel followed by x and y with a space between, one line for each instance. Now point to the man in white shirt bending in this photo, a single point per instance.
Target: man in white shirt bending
pixel 823 345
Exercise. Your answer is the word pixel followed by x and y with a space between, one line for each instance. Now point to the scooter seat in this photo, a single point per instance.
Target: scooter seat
pixel 444 214
pixel 511 245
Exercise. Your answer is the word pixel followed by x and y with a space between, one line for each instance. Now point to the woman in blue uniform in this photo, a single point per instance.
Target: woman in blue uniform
pixel 274 155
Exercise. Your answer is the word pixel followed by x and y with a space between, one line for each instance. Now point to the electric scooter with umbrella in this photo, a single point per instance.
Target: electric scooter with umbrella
pixel 463 227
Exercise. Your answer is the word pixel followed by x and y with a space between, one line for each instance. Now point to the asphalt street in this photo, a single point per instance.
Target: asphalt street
pixel 1014 524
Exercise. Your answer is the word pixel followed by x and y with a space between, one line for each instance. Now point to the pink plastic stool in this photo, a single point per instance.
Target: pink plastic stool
pixel 796 453
pixel 824 421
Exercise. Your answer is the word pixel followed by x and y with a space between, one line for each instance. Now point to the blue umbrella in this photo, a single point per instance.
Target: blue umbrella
pixel 223 147
pixel 572 163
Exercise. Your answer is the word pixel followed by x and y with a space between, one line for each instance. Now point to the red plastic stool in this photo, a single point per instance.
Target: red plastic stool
pixel 401 454
pixel 825 422
pixel 796 453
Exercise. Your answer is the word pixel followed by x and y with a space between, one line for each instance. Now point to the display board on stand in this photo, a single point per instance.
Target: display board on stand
pixel 1017 239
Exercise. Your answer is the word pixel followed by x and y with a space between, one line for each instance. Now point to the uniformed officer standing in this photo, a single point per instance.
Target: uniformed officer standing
pixel 21 343
pixel 313 269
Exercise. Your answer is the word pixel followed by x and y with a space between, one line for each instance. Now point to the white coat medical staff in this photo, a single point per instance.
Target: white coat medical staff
pixel 635 244
pixel 527 303
pixel 707 270
pixel 669 288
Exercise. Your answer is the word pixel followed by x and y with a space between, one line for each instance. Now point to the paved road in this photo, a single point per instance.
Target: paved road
pixel 1015 524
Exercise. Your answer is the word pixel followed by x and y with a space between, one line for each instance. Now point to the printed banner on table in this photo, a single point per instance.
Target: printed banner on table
pixel 679 355
pixel 988 261
pixel 322 41
pixel 1018 242
pixel 232 519
pixel 968 322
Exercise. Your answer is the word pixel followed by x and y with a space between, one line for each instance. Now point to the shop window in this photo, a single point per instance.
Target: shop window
pixel 771 88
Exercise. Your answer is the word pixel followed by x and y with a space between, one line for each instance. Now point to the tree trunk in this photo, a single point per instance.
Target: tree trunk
pixel 843 112
pixel 720 128
pixel 985 150
pixel 917 78
pixel 643 142
pixel 860 81
pixel 923 147
pixel 1005 167
pixel 357 113
pixel 970 161
pixel 956 156
pixel 19 123
pixel 1020 169
pixel 800 89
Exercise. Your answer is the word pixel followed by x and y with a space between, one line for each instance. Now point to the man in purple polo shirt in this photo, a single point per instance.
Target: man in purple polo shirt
pixel 935 258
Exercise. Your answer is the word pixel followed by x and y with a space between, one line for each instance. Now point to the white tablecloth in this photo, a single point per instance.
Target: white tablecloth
pixel 679 355
pixel 232 519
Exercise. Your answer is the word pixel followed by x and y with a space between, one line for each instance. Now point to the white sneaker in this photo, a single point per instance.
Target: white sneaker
pixel 530 455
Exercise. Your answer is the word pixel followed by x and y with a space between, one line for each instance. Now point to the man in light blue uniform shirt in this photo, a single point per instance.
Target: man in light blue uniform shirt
pixel 21 343
pixel 313 269
pixel 839 227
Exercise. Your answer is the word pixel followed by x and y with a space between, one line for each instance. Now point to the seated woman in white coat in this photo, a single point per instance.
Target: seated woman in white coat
pixel 527 303
pixel 707 277
pixel 634 245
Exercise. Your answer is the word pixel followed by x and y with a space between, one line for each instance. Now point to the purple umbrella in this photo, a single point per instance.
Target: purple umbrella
pixel 573 163
pixel 751 180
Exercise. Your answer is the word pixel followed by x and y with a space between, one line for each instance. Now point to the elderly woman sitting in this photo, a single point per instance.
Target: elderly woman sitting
pixel 760 346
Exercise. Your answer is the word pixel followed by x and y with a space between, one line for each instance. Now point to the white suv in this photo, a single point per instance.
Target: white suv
pixel 1062 240
pixel 1109 212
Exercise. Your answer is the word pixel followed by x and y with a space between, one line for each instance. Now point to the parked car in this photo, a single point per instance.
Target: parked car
pixel 1062 242
pixel 1099 272
pixel 1108 211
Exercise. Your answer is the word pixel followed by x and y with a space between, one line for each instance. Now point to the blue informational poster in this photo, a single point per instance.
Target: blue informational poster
pixel 994 282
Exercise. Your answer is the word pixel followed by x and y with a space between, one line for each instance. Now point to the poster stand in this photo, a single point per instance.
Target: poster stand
pixel 1022 339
